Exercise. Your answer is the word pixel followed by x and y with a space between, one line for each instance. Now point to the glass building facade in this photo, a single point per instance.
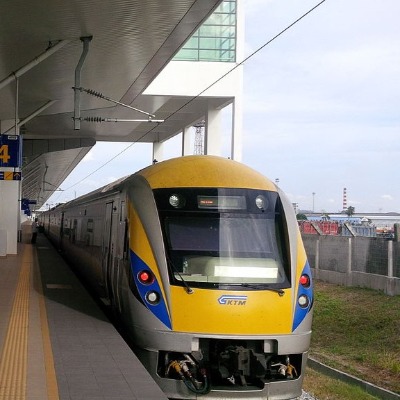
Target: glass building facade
pixel 215 40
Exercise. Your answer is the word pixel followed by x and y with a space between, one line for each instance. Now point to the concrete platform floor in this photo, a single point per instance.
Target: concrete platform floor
pixel 55 342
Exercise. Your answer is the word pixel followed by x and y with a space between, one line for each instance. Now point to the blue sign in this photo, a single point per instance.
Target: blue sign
pixel 25 203
pixel 10 151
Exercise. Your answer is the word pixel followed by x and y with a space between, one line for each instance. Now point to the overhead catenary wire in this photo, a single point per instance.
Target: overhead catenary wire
pixel 102 96
pixel 204 90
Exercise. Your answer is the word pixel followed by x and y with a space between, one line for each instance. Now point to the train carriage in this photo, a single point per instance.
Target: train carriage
pixel 202 260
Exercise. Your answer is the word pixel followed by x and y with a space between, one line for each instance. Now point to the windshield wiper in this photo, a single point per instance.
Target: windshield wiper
pixel 258 286
pixel 188 289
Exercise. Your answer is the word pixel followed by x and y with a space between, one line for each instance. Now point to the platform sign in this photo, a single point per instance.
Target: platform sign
pixel 10 151
pixel 10 176
pixel 25 205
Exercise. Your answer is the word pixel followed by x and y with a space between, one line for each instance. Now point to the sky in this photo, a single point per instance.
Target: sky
pixel 321 107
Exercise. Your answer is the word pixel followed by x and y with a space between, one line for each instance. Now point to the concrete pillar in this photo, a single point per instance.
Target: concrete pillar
pixel 391 281
pixel 349 277
pixel 158 151
pixel 390 259
pixel 10 212
pixel 237 128
pixel 349 256
pixel 212 132
pixel 237 106
pixel 397 232
pixel 187 141
pixel 9 200
pixel 317 258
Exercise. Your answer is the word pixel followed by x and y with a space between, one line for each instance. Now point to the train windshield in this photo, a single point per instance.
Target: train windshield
pixel 225 237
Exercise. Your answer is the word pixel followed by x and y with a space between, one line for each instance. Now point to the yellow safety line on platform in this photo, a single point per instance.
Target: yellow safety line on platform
pixel 14 359
pixel 13 363
pixel 52 387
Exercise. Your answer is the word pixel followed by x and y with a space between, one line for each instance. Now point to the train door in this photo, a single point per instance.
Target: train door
pixel 109 248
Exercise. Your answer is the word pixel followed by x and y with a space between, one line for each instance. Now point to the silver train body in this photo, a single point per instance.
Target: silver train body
pixel 202 260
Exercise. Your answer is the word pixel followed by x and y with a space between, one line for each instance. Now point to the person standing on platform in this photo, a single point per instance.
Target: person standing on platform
pixel 34 231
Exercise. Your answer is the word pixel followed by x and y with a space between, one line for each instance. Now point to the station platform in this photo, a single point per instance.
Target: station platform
pixel 55 341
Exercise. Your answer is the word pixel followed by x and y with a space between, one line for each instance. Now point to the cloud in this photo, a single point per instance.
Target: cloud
pixel 387 197
pixel 321 102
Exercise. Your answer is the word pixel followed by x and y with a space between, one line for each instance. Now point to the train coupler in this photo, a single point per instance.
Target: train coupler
pixel 193 376
pixel 286 370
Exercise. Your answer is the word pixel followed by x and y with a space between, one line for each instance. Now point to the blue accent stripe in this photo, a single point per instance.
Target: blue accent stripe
pixel 160 309
pixel 300 313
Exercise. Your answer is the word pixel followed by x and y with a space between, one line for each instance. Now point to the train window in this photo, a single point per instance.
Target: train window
pixel 234 247
pixel 226 249
pixel 66 229
pixel 89 225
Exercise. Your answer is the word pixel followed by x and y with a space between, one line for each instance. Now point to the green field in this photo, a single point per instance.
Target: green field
pixel 356 331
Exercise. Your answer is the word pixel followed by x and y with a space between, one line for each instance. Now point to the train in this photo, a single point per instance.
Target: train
pixel 201 259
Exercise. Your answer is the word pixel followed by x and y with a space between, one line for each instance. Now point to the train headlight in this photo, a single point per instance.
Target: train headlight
pixel 303 301
pixel 152 297
pixel 305 281
pixel 145 277
pixel 177 201
pixel 261 202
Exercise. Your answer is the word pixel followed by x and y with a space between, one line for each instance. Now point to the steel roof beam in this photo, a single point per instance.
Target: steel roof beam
pixel 47 53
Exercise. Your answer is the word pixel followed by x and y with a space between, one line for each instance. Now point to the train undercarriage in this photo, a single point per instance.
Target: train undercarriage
pixel 224 368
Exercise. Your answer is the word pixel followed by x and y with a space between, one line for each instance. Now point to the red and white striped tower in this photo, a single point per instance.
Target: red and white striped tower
pixel 344 199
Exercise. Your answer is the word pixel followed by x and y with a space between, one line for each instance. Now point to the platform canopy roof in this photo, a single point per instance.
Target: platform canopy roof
pixel 127 43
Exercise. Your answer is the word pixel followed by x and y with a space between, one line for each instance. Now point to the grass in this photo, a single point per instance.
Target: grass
pixel 325 388
pixel 357 331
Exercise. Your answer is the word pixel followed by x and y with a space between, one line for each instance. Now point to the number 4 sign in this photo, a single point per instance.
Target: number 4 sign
pixel 10 151
pixel 4 157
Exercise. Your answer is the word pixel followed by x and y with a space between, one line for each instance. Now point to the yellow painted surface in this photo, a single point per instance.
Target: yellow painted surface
pixel 14 357
pixel 204 171
pixel 8 176
pixel 13 363
pixel 139 244
pixel 263 312
pixel 301 257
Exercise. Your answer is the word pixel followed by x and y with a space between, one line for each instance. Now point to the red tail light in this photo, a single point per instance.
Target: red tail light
pixel 305 280
pixel 145 277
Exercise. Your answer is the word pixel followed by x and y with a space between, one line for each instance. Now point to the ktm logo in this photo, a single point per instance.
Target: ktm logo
pixel 232 300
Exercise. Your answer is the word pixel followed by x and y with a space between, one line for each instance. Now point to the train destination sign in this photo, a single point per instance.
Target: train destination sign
pixel 222 202
pixel 10 151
